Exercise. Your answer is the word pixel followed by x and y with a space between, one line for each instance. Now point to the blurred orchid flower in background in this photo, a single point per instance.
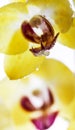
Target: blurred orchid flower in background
pixel 37 89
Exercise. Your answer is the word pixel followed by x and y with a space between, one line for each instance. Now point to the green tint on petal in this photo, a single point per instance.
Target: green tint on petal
pixel 18 66
pixel 68 38
pixel 11 18
pixel 73 2
pixel 59 11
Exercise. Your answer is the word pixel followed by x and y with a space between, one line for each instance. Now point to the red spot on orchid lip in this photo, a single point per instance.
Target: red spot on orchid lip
pixel 45 122
pixel 27 105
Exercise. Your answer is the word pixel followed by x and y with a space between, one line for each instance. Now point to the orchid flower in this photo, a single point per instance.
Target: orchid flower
pixel 29 29
pixel 36 101
pixel 33 34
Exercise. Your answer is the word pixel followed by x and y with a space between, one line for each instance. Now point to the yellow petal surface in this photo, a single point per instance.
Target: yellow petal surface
pixel 72 125
pixel 6 122
pixel 19 115
pixel 65 90
pixel 18 66
pixel 11 92
pixel 68 38
pixel 52 69
pixel 11 18
pixel 59 11
pixel 70 110
pixel 27 126
pixel 61 80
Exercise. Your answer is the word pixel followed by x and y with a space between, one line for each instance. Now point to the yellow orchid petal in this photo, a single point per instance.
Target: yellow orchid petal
pixel 68 38
pixel 69 111
pixel 18 66
pixel 10 92
pixel 27 126
pixel 19 115
pixel 6 122
pixel 72 125
pixel 62 81
pixel 57 10
pixel 11 18
pixel 64 89
pixel 52 69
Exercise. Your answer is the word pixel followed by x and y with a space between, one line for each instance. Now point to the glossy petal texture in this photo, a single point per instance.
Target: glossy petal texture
pixel 44 122
pixel 18 66
pixel 57 10
pixel 11 39
pixel 52 69
pixel 68 38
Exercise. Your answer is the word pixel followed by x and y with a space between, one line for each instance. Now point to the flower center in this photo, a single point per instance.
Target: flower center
pixel 46 39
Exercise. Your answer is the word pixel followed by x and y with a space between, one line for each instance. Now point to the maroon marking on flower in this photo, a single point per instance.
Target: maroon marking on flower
pixel 29 32
pixel 51 98
pixel 45 121
pixel 46 40
pixel 26 104
pixel 50 101
pixel 39 21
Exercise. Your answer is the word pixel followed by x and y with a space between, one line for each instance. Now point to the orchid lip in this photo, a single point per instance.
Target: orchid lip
pixel 45 121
